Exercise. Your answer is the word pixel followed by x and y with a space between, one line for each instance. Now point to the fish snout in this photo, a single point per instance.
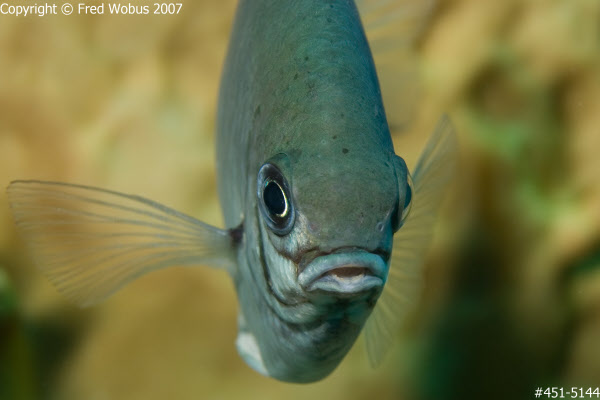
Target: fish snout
pixel 344 274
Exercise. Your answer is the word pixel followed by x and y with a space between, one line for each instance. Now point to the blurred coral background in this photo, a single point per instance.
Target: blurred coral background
pixel 512 296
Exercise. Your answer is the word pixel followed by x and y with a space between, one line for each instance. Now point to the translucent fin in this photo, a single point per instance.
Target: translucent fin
pixel 392 27
pixel 403 287
pixel 90 242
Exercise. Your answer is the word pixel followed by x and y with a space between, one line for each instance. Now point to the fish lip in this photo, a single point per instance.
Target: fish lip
pixel 320 273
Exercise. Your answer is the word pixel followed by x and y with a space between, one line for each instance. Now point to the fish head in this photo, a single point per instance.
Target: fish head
pixel 327 224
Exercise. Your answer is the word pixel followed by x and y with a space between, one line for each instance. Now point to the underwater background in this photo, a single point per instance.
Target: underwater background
pixel 512 281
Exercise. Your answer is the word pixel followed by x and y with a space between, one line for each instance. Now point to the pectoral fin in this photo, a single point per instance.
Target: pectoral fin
pixel 403 286
pixel 90 242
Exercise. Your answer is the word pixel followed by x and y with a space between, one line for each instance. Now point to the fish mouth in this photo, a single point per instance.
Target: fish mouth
pixel 346 273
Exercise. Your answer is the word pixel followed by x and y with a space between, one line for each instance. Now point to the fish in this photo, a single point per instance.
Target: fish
pixel 326 230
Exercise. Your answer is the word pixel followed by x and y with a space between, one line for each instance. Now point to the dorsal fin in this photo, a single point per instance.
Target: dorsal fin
pixel 392 28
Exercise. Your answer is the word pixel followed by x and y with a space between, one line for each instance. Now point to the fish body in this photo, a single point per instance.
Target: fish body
pixel 306 99
pixel 318 240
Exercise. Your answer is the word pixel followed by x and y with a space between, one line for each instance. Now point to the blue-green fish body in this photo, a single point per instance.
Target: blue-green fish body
pixel 318 238
pixel 300 91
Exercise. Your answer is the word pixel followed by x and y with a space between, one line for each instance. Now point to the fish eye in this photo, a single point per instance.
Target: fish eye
pixel 407 199
pixel 400 217
pixel 274 199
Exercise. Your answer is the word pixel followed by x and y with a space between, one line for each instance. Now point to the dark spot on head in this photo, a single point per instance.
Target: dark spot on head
pixel 328 19
pixel 342 115
pixel 294 154
pixel 334 137
pixel 305 58
pixel 345 150
pixel 331 6
pixel 295 76
pixel 257 111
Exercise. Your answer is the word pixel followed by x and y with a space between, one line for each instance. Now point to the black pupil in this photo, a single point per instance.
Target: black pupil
pixel 274 198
